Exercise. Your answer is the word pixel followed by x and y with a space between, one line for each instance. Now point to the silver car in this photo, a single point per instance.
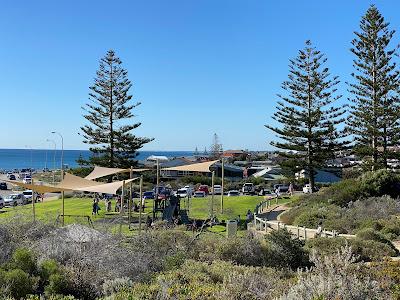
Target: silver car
pixel 1 202
pixel 14 200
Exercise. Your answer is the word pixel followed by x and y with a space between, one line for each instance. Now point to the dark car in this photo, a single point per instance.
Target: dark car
pixel 3 186
pixel 12 177
pixel 148 195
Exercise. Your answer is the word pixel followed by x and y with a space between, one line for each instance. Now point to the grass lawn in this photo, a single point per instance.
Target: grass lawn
pixel 199 208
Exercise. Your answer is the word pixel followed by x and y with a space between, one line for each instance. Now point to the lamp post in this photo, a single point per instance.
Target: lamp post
pixel 54 158
pixel 62 172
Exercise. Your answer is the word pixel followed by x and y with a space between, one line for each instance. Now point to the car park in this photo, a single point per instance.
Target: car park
pixel 199 194
pixel 3 186
pixel 14 200
pixel 233 193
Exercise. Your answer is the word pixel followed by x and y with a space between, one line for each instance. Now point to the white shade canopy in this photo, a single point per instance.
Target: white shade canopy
pixel 203 167
pixel 99 172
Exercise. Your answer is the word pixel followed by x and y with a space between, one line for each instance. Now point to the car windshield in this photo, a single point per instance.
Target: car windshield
pixel 148 193
pixel 27 193
pixel 181 191
pixel 12 197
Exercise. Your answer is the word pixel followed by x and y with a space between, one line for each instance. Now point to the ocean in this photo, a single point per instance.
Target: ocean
pixel 39 159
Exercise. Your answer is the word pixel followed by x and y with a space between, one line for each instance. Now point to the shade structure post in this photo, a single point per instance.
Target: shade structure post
pixel 33 203
pixel 212 195
pixel 140 202
pixel 121 210
pixel 157 185
pixel 63 200
pixel 130 198
pixel 222 186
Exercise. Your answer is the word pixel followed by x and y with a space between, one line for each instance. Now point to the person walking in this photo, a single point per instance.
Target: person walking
pixel 291 189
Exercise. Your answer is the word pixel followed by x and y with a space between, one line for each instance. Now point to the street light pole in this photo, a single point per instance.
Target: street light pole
pixel 62 173
pixel 54 158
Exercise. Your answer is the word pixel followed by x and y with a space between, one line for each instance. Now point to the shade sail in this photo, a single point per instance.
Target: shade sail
pixel 199 167
pixel 99 172
pixel 41 189
pixel 72 182
pixel 106 188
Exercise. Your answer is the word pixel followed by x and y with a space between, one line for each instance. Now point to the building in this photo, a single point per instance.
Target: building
pixel 234 154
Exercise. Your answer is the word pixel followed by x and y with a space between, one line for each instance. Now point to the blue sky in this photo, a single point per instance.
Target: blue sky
pixel 198 67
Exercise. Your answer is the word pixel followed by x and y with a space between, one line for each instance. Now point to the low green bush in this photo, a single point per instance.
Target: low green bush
pixel 18 283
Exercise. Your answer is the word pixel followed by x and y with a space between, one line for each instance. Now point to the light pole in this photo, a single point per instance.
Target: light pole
pixel 62 172
pixel 54 158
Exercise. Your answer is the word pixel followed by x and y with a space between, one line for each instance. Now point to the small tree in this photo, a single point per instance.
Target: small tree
pixel 109 113
pixel 308 120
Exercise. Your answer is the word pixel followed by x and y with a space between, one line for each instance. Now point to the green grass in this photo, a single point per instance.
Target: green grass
pixel 199 208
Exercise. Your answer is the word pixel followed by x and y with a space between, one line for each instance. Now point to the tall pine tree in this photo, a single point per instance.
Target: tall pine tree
pixel 110 117
pixel 307 119
pixel 375 111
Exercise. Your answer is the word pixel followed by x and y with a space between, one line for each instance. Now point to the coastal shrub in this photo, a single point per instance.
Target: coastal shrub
pixel 47 268
pixel 363 250
pixel 58 284
pixel 379 183
pixel 114 286
pixel 18 283
pixel 284 251
pixel 24 259
pixel 336 277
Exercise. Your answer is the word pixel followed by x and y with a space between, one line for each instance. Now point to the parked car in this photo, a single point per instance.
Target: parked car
pixel 283 188
pixel 199 194
pixel 148 195
pixel 184 192
pixel 14 200
pixel 3 186
pixel 233 193
pixel 203 188
pixel 248 188
pixel 307 189
pixel 12 177
pixel 28 195
pixel 27 180
pixel 2 204
pixel 9 174
pixel 217 189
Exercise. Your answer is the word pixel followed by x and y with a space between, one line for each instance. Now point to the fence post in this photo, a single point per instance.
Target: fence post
pixel 305 233
pixel 298 232
pixel 278 225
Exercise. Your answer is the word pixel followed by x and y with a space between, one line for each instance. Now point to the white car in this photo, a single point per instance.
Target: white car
pixel 27 180
pixel 233 193
pixel 14 200
pixel 2 204
pixel 184 192
pixel 28 195
pixel 217 189
pixel 307 189
pixel 199 194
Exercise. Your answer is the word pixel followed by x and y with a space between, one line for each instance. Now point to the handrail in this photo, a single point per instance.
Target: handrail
pixel 263 224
